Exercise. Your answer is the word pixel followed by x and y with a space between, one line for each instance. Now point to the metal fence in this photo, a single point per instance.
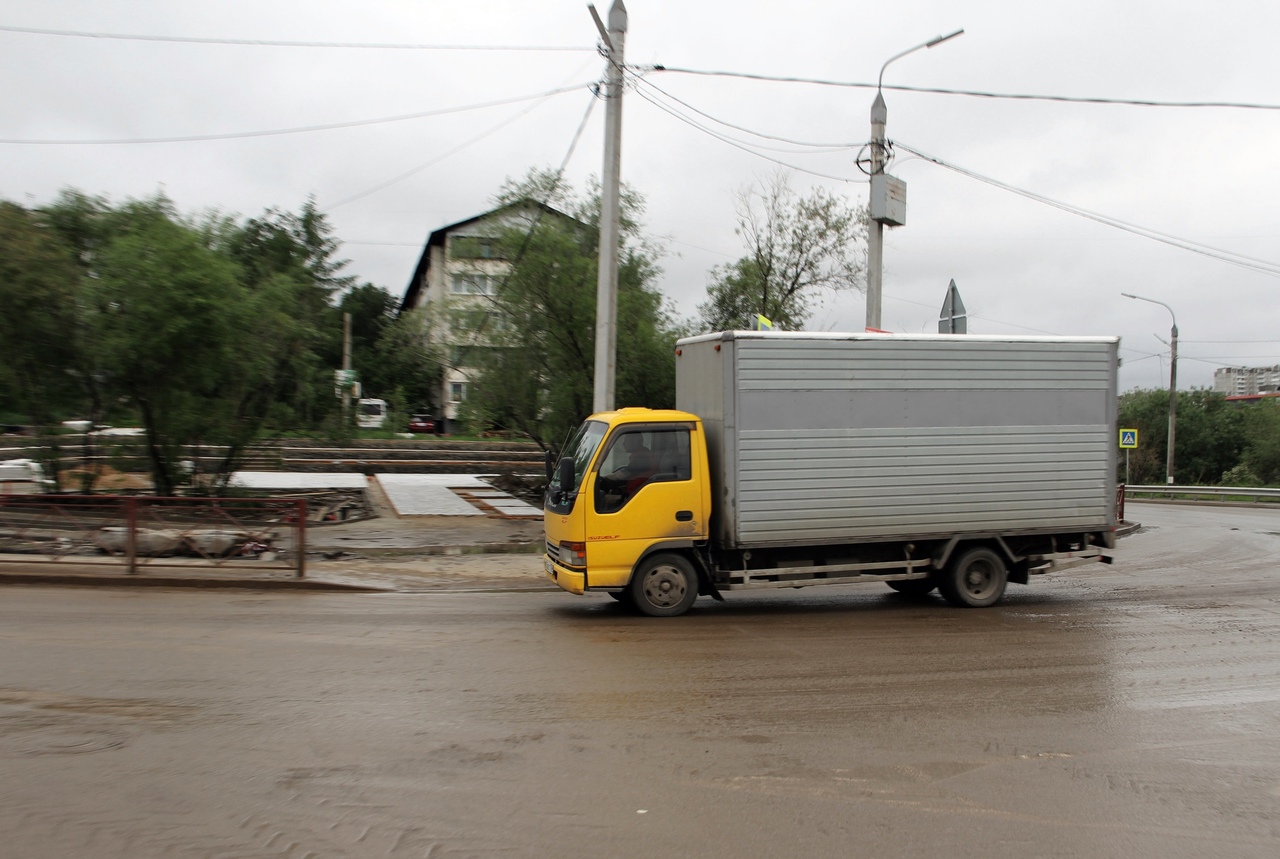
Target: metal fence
pixel 140 532
pixel 1205 493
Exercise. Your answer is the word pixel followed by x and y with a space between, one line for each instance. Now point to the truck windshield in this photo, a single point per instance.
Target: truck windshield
pixel 581 448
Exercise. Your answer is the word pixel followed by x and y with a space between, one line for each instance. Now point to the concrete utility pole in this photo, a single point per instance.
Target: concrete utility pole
pixel 610 198
pixel 1173 383
pixel 888 194
pixel 346 368
pixel 875 237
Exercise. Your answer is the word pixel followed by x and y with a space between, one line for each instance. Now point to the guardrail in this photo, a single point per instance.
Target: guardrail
pixel 144 531
pixel 1205 493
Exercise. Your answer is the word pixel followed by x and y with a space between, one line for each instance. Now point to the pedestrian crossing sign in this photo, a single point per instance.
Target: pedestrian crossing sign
pixel 1128 439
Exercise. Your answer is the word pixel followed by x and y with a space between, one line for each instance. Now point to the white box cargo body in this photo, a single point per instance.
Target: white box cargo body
pixel 835 438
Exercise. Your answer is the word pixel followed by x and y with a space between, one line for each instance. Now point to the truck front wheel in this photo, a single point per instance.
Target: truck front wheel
pixel 664 586
pixel 975 579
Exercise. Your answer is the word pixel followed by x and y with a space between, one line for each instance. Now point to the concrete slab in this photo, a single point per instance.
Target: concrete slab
pixel 428 494
pixel 297 480
pixel 409 494
pixel 453 481
pixel 514 507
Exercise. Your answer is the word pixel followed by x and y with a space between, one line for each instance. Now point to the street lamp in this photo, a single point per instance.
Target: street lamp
pixel 888 195
pixel 1173 381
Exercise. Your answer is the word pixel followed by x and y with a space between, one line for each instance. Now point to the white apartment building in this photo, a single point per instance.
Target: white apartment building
pixel 459 271
pixel 1244 381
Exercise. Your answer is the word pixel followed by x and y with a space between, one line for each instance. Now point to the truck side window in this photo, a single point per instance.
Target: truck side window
pixel 636 458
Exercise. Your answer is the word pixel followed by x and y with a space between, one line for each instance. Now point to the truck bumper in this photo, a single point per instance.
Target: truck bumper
pixel 573 581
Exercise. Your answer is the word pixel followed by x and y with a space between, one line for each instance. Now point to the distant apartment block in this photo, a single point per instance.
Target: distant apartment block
pixel 455 281
pixel 1246 381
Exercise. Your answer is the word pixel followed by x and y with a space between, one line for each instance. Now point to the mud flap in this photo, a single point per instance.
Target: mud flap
pixel 706 584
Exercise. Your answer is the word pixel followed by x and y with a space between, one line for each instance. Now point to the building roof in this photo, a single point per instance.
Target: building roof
pixel 1251 398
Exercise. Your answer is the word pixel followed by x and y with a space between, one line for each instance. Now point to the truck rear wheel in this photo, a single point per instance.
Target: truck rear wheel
pixel 664 586
pixel 975 579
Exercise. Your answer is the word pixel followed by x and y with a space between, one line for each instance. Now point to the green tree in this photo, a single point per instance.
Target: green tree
pixel 538 329
pixel 284 242
pixel 38 327
pixel 372 310
pixel 405 364
pixel 1209 436
pixel 294 256
pixel 1261 455
pixel 38 283
pixel 211 330
pixel 170 319
pixel 208 331
pixel 797 247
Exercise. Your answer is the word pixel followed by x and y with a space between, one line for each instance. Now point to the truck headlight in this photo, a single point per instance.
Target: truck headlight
pixel 573 554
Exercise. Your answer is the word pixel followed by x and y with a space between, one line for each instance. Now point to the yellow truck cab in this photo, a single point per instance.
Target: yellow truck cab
pixel 632 496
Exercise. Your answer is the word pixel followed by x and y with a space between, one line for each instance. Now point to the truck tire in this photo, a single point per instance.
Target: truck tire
pixel 663 586
pixel 975 579
pixel 914 588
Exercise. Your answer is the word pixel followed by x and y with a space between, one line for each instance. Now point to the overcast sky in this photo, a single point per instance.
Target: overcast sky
pixel 1203 175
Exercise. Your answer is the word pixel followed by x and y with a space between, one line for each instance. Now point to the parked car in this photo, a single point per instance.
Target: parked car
pixel 423 424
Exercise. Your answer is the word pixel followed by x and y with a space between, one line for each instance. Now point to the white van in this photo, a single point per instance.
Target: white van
pixel 371 413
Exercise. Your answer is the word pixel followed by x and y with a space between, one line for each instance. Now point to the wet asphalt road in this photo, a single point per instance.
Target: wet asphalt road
pixel 1131 711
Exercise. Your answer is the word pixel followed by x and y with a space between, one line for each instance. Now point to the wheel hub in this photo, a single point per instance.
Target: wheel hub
pixel 665 587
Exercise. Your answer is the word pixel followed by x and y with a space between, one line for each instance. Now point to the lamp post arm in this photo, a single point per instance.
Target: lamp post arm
pixel 1161 303
pixel 936 40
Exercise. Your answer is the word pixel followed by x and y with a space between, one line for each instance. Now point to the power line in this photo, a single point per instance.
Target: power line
pixel 739 145
pixel 831 147
pixel 194 138
pixel 278 43
pixel 537 219
pixel 755 147
pixel 972 93
pixel 1266 267
pixel 1221 358
pixel 437 159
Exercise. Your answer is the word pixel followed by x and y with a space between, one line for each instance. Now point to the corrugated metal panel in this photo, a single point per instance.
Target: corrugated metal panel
pixel 918 365
pixel 836 438
pixel 848 484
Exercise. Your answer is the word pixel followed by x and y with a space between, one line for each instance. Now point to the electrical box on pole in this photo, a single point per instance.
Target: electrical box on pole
pixel 888 200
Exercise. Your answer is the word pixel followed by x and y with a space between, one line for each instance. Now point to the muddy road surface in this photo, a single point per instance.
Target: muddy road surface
pixel 1130 711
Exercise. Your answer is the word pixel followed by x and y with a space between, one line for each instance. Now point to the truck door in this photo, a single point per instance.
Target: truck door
pixel 644 491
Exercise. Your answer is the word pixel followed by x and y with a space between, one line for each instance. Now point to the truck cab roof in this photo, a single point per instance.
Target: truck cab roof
pixel 636 414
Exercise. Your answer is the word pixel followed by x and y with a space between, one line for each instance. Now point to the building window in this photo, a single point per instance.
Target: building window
pixel 472 283
pixel 474 247
pixel 457 392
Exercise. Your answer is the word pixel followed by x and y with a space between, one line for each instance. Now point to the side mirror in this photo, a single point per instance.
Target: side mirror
pixel 547 461
pixel 566 475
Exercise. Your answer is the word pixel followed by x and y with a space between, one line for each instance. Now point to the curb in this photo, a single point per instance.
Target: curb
pixel 1125 528
pixel 71 579
pixel 472 549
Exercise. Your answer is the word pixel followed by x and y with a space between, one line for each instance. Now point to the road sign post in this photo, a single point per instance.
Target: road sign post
pixel 1128 441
